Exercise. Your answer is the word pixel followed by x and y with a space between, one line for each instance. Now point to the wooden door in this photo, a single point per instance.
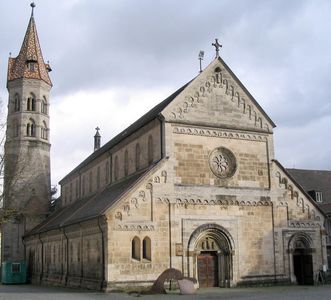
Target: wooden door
pixel 208 269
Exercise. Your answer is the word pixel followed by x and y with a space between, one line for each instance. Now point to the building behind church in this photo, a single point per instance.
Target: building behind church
pixel 192 185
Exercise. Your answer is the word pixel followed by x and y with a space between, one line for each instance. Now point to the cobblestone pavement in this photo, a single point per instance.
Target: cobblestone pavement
pixel 32 292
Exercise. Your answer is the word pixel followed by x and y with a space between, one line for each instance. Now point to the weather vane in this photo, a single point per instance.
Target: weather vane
pixel 217 46
pixel 33 5
pixel 201 55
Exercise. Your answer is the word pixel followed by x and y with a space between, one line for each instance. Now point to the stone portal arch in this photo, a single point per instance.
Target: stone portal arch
pixel 301 258
pixel 211 247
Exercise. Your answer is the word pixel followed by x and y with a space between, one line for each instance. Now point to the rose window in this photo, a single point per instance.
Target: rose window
pixel 222 162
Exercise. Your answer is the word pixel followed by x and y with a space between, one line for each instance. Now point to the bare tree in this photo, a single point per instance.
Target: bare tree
pixel 6 213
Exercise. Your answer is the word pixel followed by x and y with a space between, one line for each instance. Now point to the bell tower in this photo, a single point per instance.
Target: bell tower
pixel 27 147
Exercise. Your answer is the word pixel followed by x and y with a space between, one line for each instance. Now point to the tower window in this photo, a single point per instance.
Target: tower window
pixel 44 131
pixel 31 103
pixel 44 106
pixel 17 103
pixel 32 66
pixel 31 128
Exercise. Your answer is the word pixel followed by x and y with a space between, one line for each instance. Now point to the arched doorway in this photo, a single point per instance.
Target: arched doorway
pixel 213 255
pixel 302 259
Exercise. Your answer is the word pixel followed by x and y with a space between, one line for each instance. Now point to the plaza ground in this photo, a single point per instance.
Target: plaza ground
pixel 33 292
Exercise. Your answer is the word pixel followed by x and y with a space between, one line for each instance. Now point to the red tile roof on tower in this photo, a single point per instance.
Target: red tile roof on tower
pixel 30 53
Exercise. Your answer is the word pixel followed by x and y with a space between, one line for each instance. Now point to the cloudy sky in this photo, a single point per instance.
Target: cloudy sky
pixel 114 60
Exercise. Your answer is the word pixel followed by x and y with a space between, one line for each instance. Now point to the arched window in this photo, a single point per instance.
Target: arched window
pixel 147 249
pixel 126 163
pixel 44 106
pixel 116 168
pixel 31 128
pixel 135 250
pixel 31 103
pixel 44 130
pixel 150 150
pixel 17 103
pixel 138 153
pixel 32 66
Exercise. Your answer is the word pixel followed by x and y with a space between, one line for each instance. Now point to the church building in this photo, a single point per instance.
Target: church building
pixel 193 185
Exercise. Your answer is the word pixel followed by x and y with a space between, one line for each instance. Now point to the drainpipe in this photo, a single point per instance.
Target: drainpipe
pixel 24 249
pixel 170 252
pixel 162 129
pixel 67 258
pixel 273 238
pixel 42 259
pixel 102 255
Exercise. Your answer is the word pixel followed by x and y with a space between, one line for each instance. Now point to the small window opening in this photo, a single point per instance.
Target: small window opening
pixel 147 248
pixel 136 248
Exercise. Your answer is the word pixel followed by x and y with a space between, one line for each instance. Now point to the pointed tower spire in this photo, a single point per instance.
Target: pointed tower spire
pixel 29 63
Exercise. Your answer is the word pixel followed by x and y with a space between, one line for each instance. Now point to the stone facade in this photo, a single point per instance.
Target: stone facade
pixel 192 185
pixel 212 192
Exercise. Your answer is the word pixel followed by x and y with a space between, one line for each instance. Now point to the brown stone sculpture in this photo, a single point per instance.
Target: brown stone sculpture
pixel 168 274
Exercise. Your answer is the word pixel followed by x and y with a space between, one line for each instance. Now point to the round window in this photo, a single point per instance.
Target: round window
pixel 222 162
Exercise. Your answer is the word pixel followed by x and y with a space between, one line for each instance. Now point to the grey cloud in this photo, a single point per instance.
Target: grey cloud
pixel 278 48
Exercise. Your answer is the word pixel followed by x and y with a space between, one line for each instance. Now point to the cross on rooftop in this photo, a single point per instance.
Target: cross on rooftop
pixel 217 46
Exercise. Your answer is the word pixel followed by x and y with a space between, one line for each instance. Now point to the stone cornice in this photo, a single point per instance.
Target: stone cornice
pixel 199 131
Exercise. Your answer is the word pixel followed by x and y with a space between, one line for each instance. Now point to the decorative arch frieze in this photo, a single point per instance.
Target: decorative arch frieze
pixel 134 227
pixel 185 202
pixel 232 92
pixel 303 224
pixel 295 196
pixel 218 133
